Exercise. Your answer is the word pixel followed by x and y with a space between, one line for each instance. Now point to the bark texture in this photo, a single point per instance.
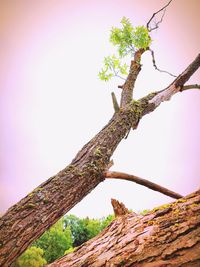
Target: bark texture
pixel 167 236
pixel 30 217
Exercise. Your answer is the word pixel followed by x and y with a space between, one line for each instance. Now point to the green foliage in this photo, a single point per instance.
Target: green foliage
pixel 85 229
pixel 141 38
pixel 32 257
pixel 60 239
pixel 69 250
pixel 93 227
pixel 55 241
pixel 127 39
pixel 122 38
pixel 82 229
pixel 144 212
pixel 79 234
pixel 106 221
pixel 112 67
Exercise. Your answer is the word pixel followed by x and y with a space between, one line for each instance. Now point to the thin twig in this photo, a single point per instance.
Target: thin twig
pixel 155 66
pixel 120 77
pixel 116 73
pixel 141 181
pixel 154 14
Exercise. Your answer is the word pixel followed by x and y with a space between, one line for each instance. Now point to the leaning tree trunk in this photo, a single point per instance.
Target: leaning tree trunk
pixel 167 236
pixel 30 217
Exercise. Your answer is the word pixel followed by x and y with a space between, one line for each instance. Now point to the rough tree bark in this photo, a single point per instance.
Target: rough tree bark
pixel 30 217
pixel 167 236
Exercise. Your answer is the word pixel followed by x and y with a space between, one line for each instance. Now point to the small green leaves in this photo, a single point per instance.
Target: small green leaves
pixel 141 37
pixel 105 77
pixel 112 67
pixel 128 40
pixel 123 68
pixel 122 37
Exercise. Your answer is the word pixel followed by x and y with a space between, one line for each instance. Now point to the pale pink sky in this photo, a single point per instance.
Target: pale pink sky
pixel 52 101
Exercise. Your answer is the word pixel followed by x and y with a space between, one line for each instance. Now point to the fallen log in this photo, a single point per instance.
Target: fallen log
pixel 166 236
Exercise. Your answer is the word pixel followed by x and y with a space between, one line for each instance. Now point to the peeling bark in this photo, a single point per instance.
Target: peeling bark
pixel 167 236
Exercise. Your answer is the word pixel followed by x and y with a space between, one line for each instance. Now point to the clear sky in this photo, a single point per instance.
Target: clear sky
pixel 52 102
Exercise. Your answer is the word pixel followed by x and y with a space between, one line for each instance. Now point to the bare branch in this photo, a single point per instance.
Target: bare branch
pixel 141 181
pixel 155 66
pixel 190 86
pixel 163 9
pixel 155 99
pixel 188 72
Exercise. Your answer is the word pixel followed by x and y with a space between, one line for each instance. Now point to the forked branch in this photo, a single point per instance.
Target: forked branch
pixel 141 181
pixel 163 9
pixel 178 85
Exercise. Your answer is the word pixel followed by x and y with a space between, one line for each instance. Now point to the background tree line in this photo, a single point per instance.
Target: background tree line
pixel 68 233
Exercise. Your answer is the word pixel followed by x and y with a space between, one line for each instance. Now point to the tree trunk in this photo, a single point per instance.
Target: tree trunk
pixel 167 236
pixel 30 217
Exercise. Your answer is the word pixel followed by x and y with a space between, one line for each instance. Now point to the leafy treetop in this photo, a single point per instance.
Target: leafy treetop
pixel 127 40
pixel 32 257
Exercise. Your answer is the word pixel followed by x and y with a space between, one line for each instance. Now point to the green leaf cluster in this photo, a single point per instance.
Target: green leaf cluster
pixel 112 67
pixel 84 229
pixel 128 40
pixel 55 241
pixel 141 37
pixel 69 250
pixel 32 257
